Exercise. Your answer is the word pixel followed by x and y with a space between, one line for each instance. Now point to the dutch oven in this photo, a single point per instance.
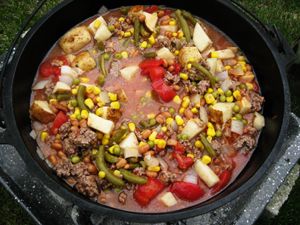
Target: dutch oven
pixel 267 52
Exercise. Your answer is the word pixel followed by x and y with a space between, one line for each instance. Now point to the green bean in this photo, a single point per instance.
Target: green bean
pixel 101 46
pixel 137 27
pixel 149 54
pixel 147 123
pixel 126 42
pixel 133 160
pixel 144 32
pixel 101 79
pixel 189 17
pixel 133 165
pixel 132 178
pixel 207 146
pixel 204 71
pixel 124 10
pixel 102 65
pixel 63 97
pixel 110 158
pixel 100 162
pixel 184 25
pixel 80 97
pixel 118 135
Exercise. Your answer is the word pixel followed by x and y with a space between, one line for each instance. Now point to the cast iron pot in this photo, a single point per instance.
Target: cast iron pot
pixel 268 55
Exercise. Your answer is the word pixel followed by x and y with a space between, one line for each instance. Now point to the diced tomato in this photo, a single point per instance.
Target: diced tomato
pixel 167 12
pixel 165 92
pixel 56 71
pixel 46 69
pixel 151 63
pixel 62 59
pixel 146 192
pixel 155 73
pixel 177 68
pixel 225 177
pixel 59 120
pixel 186 191
pixel 151 9
pixel 183 161
pixel 179 148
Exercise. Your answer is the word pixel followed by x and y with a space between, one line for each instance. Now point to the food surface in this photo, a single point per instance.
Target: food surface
pixel 146 109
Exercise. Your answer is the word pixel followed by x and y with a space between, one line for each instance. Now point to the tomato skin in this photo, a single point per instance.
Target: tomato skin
pixel 155 73
pixel 59 120
pixel 165 92
pixel 183 161
pixel 179 148
pixel 177 68
pixel 151 9
pixel 225 177
pixel 61 58
pixel 186 191
pixel 151 63
pixel 146 192
pixel 46 69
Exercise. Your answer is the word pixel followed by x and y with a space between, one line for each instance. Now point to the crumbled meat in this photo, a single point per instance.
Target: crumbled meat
pixel 79 169
pixel 190 87
pixel 244 143
pixel 86 138
pixel 256 101
pixel 114 115
pixel 138 134
pixel 63 168
pixel 171 78
pixel 140 171
pixel 103 184
pixel 129 186
pixel 217 144
pixel 177 44
pixel 163 41
pixel 250 130
pixel 167 177
pixel 203 85
pixel 69 147
pixel 49 88
pixel 64 130
pixel 87 185
pixel 122 197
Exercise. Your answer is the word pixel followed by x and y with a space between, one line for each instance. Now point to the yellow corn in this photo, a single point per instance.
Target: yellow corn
pixel 117 173
pixel 206 159
pixel 209 98
pixel 229 99
pixel 174 34
pixel 84 114
pixel 44 136
pixel 172 22
pixel 101 174
pixel 181 110
pixel 227 67
pixel 184 76
pixel 84 79
pixel 112 96
pixel 220 91
pixel 164 129
pixel 211 132
pixel 96 91
pixel 243 63
pixel 237 95
pixel 210 125
pixel 127 34
pixel 151 116
pixel 209 139
pixel 53 101
pixel 124 54
pixel 189 66
pixel 198 144
pixel 185 101
pixel 143 44
pixel 121 19
pixel 74 91
pixel 249 86
pixel 89 89
pixel 194 110
pixel 177 99
pixel 152 136
pixel 210 90
pixel 99 111
pixel 89 103
pixel 151 39
pixel 131 126
pixel 176 52
pixel 214 54
pixel 105 141
pixel 179 120
pixel 161 143
pixel 190 155
pixel 169 120
pixel 115 105
pixel 97 24
pixel 77 111
pixel 180 34
pixel 73 117
pixel 111 149
pixel 142 144
pixel 153 168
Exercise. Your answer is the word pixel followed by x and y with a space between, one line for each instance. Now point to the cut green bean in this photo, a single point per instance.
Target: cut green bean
pixel 102 65
pixel 133 165
pixel 132 178
pixel 137 27
pixel 150 54
pixel 143 31
pixel 147 123
pixel 118 135
pixel 189 17
pixel 100 162
pixel 207 146
pixel 101 79
pixel 80 97
pixel 184 25
pixel 63 97
pixel 110 158
pixel 204 71
pixel 101 46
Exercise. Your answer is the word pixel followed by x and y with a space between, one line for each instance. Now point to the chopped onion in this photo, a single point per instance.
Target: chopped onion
pixel 191 178
pixel 49 163
pixel 40 153
pixel 33 134
pixel 66 79
pixel 104 97
pixel 163 164
pixel 40 85
pixel 237 71
pixel 237 126
pixel 150 160
pixel 226 84
pixel 158 128
pixel 203 114
pixel 68 71
pixel 222 75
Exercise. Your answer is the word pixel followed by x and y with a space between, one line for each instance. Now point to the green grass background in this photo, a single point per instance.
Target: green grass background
pixel 285 14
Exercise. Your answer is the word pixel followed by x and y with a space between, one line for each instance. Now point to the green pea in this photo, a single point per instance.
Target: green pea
pixel 215 94
pixel 76 81
pixel 75 159
pixel 78 117
pixel 151 144
pixel 236 108
pixel 243 86
pixel 73 102
pixel 101 80
pixel 118 55
pixel 222 98
pixel 111 28
pixel 171 110
pixel 228 93
pixel 106 56
pixel 184 137
pixel 152 122
pixel 245 122
pixel 238 116
pixel 218 133
pixel 117 150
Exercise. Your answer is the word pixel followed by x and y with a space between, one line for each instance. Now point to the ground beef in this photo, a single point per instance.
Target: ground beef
pixel 114 115
pixel 64 130
pixel 194 88
pixel 86 138
pixel 79 169
pixel 103 184
pixel 171 78
pixel 190 87
pixel 138 134
pixel 49 88
pixel 63 168
pixel 203 85
pixel 256 101
pixel 163 41
pixel 167 177
pixel 244 143
pixel 87 185
pixel 217 144
pixel 122 197
pixel 69 147
pixel 140 171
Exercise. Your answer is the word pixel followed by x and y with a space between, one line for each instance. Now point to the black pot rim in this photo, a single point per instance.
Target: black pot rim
pixel 87 205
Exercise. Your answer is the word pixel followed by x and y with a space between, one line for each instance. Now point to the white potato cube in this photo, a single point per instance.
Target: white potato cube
pixel 100 124
pixel 168 199
pixel 129 72
pixel 200 38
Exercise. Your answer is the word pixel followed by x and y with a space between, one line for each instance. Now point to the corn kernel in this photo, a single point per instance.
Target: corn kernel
pixel 152 136
pixel 151 116
pixel 127 34
pixel 105 141
pixel 210 90
pixel 211 132
pixel 89 103
pixel 53 101
pixel 174 34
pixel 97 91
pixel 243 63
pixel 169 120
pixel 194 110
pixel 164 129
pixel 84 79
pixel 206 159
pixel 180 34
pixel 209 139
pixel 192 59
pixel 190 155
pixel 210 125
pixel 249 86
pixel 143 44
pixel 111 149
pixel 44 136
pixel 179 120
pixel 209 98
pixel 177 99
pixel 184 76
pixel 84 114
pixel 151 40
pixel 99 111
pixel 97 24
pixel 74 91
pixel 117 173
pixel 220 91
pixel 189 66
pixel 244 68
pixel 153 168
pixel 237 95
pixel 131 126
pixel 89 89
pixel 77 111
pixel 101 174
pixel 73 117
pixel 176 52
pixel 121 19
pixel 142 143
pixel 124 54
pixel 161 143
pixel 198 144
pixel 181 110
pixel 106 136
pixel 214 55
pixel 172 22
pixel 112 96
pixel 156 141
pixel 229 99
pixel 115 105
pixel 227 67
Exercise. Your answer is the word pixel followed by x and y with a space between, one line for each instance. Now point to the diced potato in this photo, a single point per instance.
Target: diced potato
pixel 245 105
pixel 225 54
pixel 96 24
pixel 150 20
pixel 220 66
pixel 221 111
pixel 168 28
pixel 188 54
pixel 61 87
pixel 237 127
pixel 84 61
pixel 100 124
pixel 103 33
pixel 247 78
pixel 68 71
pixel 128 72
pixel 41 111
pixel 40 85
pixel 75 39
pixel 192 128
pixel 151 160
pixel 206 173
pixel 104 97
pixel 168 199
pixel 130 146
pixel 196 99
pixel 212 63
pixel 259 121
pixel 104 111
pixel 203 115
pixel 200 38
pixel 165 53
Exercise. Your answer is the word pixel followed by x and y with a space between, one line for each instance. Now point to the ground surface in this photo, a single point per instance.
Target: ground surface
pixel 285 14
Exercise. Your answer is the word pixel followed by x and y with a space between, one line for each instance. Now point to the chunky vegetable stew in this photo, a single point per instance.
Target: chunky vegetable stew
pixel 146 109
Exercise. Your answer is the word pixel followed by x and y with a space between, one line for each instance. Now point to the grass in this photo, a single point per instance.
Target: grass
pixel 285 14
